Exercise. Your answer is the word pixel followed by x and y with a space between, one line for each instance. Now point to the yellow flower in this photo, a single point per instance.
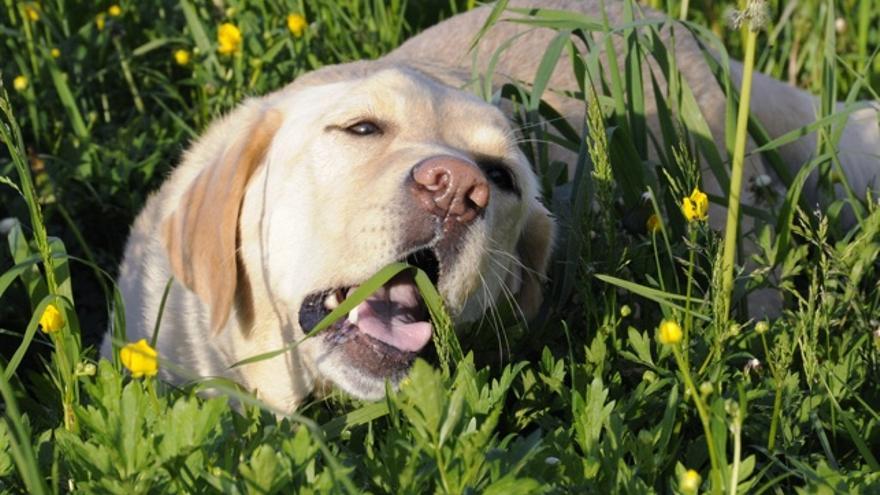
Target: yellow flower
pixel 114 11
pixel 653 224
pixel 55 53
pixel 100 20
pixel 20 83
pixel 696 206
pixel 669 332
pixel 52 320
pixel 139 358
pixel 32 12
pixel 297 24
pixel 182 57
pixel 228 38
pixel 689 481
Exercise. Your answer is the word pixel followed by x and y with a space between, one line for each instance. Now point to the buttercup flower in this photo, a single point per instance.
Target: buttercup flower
pixel 139 358
pixel 696 206
pixel 20 83
pixel 182 57
pixel 297 24
pixel 55 53
pixel 228 39
pixel 100 20
pixel 114 11
pixel 653 224
pixel 51 320
pixel 669 332
pixel 689 481
pixel 32 12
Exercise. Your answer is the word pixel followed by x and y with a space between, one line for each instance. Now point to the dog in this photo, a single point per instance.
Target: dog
pixel 285 205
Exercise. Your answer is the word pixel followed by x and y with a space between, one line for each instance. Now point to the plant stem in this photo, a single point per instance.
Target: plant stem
pixel 684 10
pixel 688 321
pixel 129 78
pixel 737 451
pixel 742 119
pixel 774 420
pixel 11 136
pixel 717 481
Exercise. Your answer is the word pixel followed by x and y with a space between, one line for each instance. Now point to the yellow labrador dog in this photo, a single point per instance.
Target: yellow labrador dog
pixel 289 202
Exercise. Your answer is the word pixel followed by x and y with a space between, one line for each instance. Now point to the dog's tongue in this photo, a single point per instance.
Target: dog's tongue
pixel 394 315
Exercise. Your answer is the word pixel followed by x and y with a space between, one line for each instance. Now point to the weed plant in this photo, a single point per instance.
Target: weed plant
pixel 642 373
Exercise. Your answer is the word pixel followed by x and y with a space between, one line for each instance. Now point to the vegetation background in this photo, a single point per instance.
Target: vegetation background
pixel 107 96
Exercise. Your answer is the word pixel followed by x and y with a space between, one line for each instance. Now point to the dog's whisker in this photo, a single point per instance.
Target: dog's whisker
pixel 489 310
pixel 543 122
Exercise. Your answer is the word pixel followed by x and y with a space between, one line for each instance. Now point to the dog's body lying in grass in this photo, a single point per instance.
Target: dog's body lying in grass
pixel 295 198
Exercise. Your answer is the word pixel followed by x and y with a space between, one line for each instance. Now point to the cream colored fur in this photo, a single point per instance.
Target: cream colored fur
pixel 324 209
pixel 319 208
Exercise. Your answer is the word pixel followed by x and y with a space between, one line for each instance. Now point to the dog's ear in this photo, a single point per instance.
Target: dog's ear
pixel 201 234
pixel 534 248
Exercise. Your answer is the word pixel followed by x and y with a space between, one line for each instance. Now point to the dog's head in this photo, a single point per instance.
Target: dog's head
pixel 345 171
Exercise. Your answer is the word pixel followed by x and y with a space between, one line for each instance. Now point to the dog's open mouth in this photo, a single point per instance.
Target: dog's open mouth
pixel 383 334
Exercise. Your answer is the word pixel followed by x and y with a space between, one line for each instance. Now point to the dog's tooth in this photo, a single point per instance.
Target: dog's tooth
pixel 331 301
pixel 353 316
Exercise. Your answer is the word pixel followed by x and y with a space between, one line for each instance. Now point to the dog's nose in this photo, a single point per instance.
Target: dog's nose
pixel 449 186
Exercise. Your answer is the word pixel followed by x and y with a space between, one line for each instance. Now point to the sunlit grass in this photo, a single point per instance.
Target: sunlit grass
pixel 641 373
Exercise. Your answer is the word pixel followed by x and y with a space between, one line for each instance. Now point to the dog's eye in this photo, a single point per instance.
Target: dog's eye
pixel 364 128
pixel 501 176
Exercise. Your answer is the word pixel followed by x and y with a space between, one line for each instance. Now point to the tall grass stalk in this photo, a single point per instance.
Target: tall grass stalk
pixel 739 151
pixel 11 136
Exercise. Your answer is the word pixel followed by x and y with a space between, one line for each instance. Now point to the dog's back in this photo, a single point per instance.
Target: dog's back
pixel 779 107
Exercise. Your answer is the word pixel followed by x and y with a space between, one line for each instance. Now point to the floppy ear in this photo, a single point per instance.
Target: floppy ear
pixel 201 235
pixel 534 248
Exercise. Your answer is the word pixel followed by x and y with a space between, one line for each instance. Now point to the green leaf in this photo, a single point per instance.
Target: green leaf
pixel 664 298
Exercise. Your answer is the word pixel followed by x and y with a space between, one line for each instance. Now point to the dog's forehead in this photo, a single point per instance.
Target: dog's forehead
pixel 401 94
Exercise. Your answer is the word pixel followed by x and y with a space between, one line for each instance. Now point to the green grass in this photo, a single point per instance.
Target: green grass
pixel 583 399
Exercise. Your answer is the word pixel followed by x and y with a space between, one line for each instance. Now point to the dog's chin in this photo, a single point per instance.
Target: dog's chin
pixel 361 370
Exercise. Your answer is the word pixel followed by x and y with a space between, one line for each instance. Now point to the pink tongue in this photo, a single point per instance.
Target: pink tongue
pixel 394 315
